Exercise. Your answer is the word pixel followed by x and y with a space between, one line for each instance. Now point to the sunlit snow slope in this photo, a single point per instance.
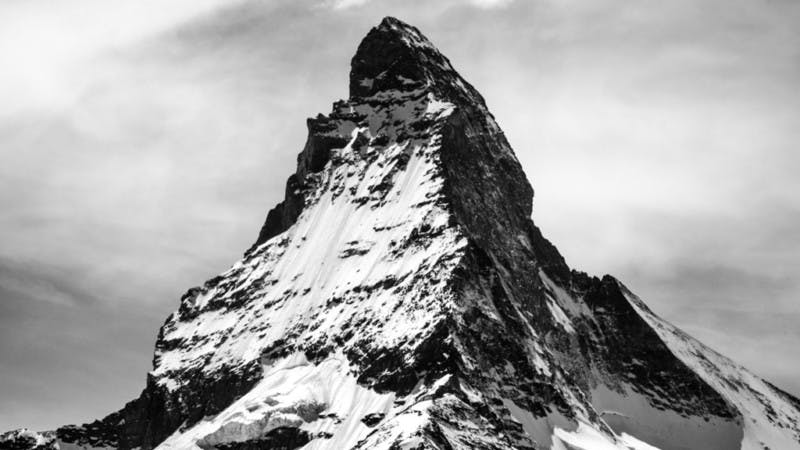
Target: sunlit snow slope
pixel 400 297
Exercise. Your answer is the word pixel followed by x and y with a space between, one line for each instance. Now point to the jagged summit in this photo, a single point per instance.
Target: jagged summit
pixel 395 56
pixel 401 297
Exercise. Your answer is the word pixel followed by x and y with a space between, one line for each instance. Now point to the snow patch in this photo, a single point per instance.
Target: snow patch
pixel 322 399
pixel 586 437
pixel 559 316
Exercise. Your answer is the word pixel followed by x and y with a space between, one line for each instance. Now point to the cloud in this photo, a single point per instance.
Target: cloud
pixel 486 4
pixel 41 283
pixel 344 4
pixel 45 46
pixel 482 4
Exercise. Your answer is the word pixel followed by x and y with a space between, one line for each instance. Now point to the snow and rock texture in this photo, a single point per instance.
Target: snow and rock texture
pixel 400 297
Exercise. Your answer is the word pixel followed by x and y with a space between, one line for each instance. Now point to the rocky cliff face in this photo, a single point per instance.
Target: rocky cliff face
pixel 401 297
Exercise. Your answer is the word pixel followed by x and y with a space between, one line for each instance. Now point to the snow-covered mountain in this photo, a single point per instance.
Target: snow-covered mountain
pixel 400 297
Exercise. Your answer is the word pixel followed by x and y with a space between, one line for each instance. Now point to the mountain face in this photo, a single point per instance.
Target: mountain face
pixel 400 297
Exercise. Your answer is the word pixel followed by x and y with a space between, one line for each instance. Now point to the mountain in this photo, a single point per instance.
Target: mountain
pixel 400 297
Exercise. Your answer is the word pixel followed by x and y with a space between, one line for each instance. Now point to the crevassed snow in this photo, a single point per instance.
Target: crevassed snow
pixel 769 416
pixel 586 437
pixel 322 398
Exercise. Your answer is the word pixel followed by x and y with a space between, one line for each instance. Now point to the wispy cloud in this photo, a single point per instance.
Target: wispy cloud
pixel 483 4
pixel 45 46
pixel 43 284
pixel 490 3
pixel 344 4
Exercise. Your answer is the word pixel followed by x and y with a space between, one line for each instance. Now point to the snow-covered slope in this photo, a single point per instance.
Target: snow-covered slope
pixel 770 416
pixel 401 297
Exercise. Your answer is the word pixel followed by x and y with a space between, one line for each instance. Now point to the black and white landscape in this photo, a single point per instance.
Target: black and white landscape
pixel 400 296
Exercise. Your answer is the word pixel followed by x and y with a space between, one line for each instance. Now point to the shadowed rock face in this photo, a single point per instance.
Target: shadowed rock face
pixel 403 270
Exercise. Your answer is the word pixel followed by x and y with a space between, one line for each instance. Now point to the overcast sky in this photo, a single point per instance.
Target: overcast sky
pixel 142 143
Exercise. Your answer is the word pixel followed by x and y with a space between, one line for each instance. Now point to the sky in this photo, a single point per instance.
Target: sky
pixel 142 143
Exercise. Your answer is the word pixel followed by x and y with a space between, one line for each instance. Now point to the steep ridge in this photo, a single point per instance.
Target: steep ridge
pixel 401 297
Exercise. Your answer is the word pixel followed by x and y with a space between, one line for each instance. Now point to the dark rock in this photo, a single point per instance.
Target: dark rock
pixel 282 438
pixel 372 419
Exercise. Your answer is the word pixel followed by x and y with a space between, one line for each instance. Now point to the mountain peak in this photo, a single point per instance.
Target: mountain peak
pixel 396 25
pixel 395 56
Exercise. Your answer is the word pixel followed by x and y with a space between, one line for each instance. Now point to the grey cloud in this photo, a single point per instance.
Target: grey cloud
pixel 41 283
